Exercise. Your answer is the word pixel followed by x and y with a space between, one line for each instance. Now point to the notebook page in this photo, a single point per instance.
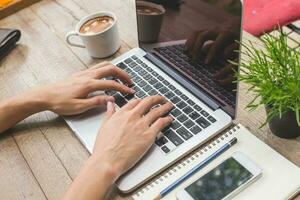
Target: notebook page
pixel 280 177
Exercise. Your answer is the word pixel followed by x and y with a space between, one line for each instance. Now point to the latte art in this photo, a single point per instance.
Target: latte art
pixel 96 25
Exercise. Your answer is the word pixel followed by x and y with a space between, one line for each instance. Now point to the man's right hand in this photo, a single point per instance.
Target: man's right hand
pixel 127 134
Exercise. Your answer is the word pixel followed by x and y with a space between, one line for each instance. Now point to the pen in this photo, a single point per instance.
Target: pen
pixel 196 168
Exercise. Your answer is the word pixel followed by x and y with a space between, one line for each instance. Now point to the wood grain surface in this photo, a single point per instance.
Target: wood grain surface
pixel 40 157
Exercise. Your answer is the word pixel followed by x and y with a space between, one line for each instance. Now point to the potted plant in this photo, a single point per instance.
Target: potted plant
pixel 273 73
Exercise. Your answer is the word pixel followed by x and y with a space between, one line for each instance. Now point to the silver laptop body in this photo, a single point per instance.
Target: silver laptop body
pixel 209 112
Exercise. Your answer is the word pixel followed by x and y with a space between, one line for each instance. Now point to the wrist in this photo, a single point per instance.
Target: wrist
pixel 26 104
pixel 103 167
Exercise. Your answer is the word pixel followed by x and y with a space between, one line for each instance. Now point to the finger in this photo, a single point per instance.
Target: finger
pixel 82 105
pixel 230 51
pixel 189 44
pixel 201 39
pixel 131 104
pixel 158 112
pixel 227 70
pixel 218 45
pixel 96 85
pixel 228 81
pixel 99 65
pixel 110 106
pixel 146 104
pixel 111 70
pixel 160 124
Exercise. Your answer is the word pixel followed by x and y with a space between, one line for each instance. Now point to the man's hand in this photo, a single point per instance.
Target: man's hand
pixel 68 97
pixel 125 136
pixel 71 96
pixel 138 125
pixel 222 43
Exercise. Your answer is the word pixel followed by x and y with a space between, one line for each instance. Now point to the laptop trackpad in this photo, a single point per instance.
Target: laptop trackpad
pixel 86 125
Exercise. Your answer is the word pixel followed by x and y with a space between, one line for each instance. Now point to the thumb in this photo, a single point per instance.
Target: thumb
pixel 93 102
pixel 110 106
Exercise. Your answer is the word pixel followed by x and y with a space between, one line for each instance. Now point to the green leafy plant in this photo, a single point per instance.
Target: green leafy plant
pixel 273 73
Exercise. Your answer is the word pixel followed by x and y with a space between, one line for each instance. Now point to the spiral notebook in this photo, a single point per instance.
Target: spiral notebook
pixel 280 179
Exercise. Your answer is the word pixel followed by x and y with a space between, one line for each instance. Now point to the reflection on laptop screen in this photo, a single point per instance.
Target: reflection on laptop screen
pixel 197 38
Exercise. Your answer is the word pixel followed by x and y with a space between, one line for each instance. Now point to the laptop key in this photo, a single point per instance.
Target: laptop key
pixel 139 61
pixel 142 72
pixel 184 97
pixel 175 125
pixel 166 82
pixel 175 139
pixel 211 119
pixel 161 141
pixel 194 115
pixel 147 77
pixel 169 95
pixel 159 77
pixel 132 64
pixel 134 57
pixel 203 122
pixel 152 81
pixel 154 73
pixel 149 69
pixel 152 92
pixel 158 85
pixel 172 87
pixel 147 88
pixel 175 112
pixel 182 118
pixel 189 123
pixel 140 94
pixel 191 102
pixel 204 113
pixel 165 149
pixel 128 60
pixel 129 97
pixel 181 104
pixel 178 92
pixel 187 110
pixel 142 83
pixel 195 129
pixel 184 133
pixel 120 101
pixel 137 79
pixel 163 90
pixel 198 108
pixel 110 92
pixel 121 65
pixel 175 99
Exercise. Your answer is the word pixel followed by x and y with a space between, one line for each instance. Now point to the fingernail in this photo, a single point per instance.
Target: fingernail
pixel 110 99
pixel 110 105
pixel 132 90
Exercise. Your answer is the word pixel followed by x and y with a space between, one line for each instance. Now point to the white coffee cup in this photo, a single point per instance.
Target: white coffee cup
pixel 149 25
pixel 100 44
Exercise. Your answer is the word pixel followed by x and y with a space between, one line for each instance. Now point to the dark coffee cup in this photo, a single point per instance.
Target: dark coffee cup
pixel 149 18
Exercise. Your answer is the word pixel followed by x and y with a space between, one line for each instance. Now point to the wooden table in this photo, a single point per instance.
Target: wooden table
pixel 40 157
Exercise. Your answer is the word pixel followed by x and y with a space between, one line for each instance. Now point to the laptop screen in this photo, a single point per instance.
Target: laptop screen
pixel 198 39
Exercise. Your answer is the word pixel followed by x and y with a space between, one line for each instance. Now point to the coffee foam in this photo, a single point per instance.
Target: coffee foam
pixel 148 10
pixel 96 25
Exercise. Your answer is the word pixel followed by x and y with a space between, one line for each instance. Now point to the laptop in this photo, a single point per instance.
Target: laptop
pixel 203 106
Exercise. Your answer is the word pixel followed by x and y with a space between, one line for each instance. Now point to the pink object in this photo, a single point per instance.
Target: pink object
pixel 262 16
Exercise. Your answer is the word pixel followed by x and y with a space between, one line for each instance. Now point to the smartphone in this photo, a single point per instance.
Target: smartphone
pixel 224 181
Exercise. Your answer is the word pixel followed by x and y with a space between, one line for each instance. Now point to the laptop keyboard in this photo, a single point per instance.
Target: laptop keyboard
pixel 197 70
pixel 189 118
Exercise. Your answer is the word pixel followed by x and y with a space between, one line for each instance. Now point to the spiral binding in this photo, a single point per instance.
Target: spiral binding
pixel 186 161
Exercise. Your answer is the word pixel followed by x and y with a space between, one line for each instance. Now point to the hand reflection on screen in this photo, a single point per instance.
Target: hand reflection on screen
pixel 218 43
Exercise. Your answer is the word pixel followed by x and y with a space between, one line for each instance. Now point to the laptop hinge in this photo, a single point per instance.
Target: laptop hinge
pixel 182 81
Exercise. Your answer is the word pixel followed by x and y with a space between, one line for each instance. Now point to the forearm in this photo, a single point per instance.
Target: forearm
pixel 15 109
pixel 93 182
